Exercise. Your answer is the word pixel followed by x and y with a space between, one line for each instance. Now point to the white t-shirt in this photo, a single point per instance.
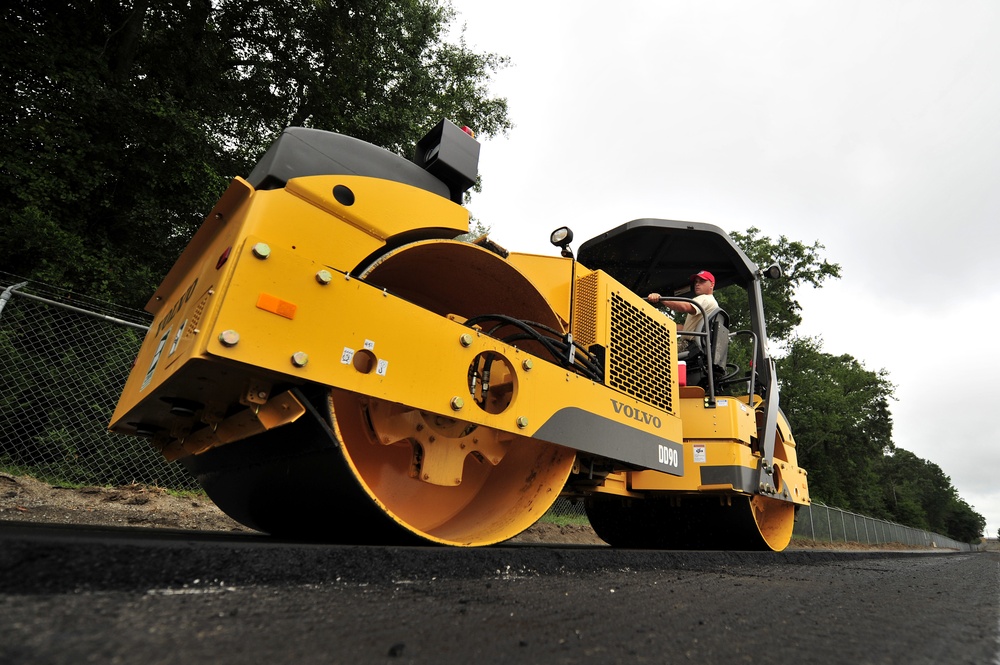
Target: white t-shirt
pixel 693 321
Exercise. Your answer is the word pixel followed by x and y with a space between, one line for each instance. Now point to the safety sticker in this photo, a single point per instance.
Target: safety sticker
pixel 347 356
pixel 369 344
pixel 381 368
pixel 156 360
pixel 722 402
pixel 699 453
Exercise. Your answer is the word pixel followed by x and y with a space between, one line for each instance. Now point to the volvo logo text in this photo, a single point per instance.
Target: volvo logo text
pixel 636 414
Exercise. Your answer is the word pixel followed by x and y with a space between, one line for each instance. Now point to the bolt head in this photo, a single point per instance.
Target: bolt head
pixel 522 421
pixel 262 250
pixel 527 364
pixel 324 277
pixel 300 358
pixel 465 339
pixel 457 403
pixel 229 338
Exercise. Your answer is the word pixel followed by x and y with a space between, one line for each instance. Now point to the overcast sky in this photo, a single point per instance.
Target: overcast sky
pixel 872 127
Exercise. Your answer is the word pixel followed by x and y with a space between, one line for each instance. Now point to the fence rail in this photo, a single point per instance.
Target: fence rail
pixel 63 367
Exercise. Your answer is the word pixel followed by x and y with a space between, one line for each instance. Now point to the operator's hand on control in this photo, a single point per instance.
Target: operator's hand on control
pixel 654 298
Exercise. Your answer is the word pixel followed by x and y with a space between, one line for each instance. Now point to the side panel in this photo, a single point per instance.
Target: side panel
pixel 306 220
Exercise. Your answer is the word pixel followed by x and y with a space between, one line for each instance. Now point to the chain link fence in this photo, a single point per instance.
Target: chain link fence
pixel 63 363
pixel 824 523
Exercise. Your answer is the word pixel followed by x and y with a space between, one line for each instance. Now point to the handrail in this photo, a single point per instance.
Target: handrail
pixel 708 345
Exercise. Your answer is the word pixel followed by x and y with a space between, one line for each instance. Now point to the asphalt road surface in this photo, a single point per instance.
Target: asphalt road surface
pixel 131 596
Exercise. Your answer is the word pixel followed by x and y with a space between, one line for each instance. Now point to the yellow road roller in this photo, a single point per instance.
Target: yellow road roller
pixel 333 364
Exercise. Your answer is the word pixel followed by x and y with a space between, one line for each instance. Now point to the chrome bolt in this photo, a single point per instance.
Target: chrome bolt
pixel 324 277
pixel 522 421
pixel 465 339
pixel 262 250
pixel 229 338
pixel 527 364
pixel 300 358
pixel 457 403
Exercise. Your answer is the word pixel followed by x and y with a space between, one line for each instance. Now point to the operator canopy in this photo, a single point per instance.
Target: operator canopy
pixel 656 254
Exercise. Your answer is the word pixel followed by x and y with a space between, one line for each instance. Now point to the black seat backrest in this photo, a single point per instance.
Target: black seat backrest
pixel 718 328
pixel 717 325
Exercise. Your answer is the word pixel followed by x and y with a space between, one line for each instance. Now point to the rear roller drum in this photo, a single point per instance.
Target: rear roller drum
pixel 693 522
pixel 700 521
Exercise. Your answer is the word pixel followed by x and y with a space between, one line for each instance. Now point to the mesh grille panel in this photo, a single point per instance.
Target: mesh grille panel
pixel 585 314
pixel 640 358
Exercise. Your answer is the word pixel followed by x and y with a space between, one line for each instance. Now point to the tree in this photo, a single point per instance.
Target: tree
pixel 125 120
pixel 801 264
pixel 919 494
pixel 902 476
pixel 964 523
pixel 839 412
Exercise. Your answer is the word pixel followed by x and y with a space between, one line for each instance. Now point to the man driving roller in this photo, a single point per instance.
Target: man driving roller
pixel 703 284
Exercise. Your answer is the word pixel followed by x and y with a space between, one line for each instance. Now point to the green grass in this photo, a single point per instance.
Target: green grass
pixel 564 520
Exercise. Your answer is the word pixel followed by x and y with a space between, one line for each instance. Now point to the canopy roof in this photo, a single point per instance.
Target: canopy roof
pixel 660 255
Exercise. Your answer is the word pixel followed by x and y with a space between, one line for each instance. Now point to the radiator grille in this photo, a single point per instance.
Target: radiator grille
pixel 640 356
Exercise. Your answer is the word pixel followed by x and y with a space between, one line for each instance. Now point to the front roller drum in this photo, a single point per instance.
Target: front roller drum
pixel 328 478
pixel 356 469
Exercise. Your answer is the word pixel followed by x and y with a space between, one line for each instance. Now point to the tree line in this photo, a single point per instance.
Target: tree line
pixel 839 409
pixel 125 120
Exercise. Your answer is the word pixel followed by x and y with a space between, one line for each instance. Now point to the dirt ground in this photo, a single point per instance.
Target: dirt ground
pixel 26 499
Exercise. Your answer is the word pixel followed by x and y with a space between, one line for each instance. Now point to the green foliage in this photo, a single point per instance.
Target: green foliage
pixel 476 230
pixel 839 412
pixel 801 264
pixel 124 123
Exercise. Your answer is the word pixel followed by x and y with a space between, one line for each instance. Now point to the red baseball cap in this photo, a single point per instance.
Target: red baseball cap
pixel 704 274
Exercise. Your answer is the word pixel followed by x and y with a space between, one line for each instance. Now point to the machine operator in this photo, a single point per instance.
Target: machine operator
pixel 703 284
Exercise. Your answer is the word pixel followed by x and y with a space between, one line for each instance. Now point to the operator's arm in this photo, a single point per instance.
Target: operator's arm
pixel 675 305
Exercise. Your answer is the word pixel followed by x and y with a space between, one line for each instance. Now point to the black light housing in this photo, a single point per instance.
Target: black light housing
pixel 561 238
pixel 451 155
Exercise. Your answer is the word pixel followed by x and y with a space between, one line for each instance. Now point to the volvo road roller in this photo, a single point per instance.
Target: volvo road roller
pixel 333 363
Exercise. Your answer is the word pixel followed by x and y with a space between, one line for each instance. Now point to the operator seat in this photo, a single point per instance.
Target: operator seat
pixel 717 326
